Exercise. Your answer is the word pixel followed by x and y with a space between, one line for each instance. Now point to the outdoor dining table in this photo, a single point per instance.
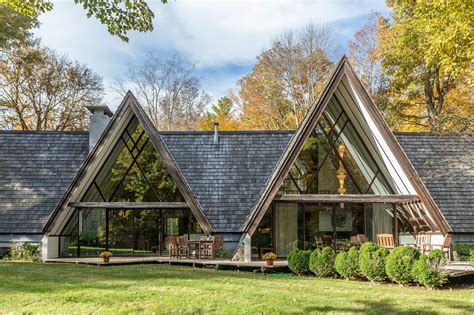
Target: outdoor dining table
pixel 200 249
pixel 193 249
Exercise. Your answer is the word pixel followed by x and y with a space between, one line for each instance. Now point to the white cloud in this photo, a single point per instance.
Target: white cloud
pixel 211 33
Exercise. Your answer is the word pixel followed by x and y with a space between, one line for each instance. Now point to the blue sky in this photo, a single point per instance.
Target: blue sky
pixel 222 37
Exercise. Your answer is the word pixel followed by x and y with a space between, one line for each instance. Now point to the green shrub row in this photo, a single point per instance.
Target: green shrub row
pixel 403 265
pixel 463 251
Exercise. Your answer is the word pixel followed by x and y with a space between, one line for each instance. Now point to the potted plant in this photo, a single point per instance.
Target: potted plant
pixel 105 256
pixel 269 258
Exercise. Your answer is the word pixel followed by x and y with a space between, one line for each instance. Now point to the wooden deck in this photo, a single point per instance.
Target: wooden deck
pixel 280 265
pixel 454 269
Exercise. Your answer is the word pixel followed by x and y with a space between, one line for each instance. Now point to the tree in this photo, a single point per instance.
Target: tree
pixel 222 113
pixel 15 28
pixel 168 90
pixel 287 79
pixel 40 90
pixel 363 56
pixel 120 16
pixel 426 52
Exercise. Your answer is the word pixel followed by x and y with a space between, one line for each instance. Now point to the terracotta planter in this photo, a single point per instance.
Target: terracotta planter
pixel 269 263
pixel 105 259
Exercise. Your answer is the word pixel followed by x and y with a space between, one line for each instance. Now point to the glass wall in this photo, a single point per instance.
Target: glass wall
pixel 287 226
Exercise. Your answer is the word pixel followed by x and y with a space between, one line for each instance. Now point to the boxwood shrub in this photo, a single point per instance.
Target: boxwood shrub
pixel 347 264
pixel 372 261
pixel 463 251
pixel 399 264
pixel 321 262
pixel 24 252
pixel 429 270
pixel 298 261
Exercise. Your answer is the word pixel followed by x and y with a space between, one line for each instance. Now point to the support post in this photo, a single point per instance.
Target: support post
pixel 107 229
pixel 247 247
pixel 334 232
pixel 395 223
pixel 79 229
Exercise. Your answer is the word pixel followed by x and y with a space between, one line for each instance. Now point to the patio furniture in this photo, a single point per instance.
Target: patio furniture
pixel 386 240
pixel 173 250
pixel 423 242
pixel 319 242
pixel 447 244
pixel 355 241
pixel 362 238
pixel 327 240
pixel 218 243
pixel 193 249
pixel 206 247
pixel 183 249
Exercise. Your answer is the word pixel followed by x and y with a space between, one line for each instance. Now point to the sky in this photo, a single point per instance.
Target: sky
pixel 222 37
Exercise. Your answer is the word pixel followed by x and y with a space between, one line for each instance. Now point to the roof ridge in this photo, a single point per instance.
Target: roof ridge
pixel 224 132
pixel 427 133
pixel 44 132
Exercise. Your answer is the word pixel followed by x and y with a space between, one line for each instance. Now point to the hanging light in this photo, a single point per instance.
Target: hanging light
pixel 341 172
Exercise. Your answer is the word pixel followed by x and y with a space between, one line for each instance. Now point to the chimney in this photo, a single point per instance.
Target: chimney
pixel 216 133
pixel 99 119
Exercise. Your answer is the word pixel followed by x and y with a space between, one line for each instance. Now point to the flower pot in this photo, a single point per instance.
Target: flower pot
pixel 106 259
pixel 269 263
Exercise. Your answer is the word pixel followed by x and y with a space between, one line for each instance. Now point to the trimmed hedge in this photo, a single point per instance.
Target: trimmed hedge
pixel 399 264
pixel 429 271
pixel 463 251
pixel 321 262
pixel 298 261
pixel 372 261
pixel 347 264
pixel 472 256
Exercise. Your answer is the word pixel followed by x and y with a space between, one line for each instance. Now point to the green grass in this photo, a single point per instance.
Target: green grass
pixel 43 288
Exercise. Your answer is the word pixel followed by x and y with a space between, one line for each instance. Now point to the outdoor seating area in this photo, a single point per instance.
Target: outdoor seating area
pixel 205 248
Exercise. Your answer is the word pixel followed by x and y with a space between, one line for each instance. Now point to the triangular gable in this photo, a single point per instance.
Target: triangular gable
pixel 404 179
pixel 129 109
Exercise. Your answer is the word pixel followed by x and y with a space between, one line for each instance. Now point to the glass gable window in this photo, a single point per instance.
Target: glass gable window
pixel 335 149
pixel 133 172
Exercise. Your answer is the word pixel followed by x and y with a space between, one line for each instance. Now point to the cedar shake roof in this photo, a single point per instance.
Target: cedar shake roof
pixel 35 170
pixel 445 163
pixel 37 167
pixel 226 178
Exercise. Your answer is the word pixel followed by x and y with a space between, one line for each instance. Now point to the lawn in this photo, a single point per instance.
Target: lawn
pixel 43 288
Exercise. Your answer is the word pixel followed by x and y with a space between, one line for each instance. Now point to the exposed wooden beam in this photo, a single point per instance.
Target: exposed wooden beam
pixel 130 205
pixel 348 198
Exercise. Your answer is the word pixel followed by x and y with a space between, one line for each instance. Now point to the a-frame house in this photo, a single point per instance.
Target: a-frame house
pixel 128 178
pixel 343 173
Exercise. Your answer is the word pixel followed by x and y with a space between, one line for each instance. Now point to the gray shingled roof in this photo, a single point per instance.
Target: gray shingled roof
pixel 445 163
pixel 35 170
pixel 37 167
pixel 227 178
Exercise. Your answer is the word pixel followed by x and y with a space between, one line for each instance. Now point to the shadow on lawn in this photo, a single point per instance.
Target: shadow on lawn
pixel 389 307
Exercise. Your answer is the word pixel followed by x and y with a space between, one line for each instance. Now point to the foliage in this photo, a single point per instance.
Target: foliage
pixel 43 91
pixel 286 80
pixel 321 262
pixel 168 90
pixel 426 50
pixel 429 270
pixel 347 264
pixel 24 252
pixel 224 254
pixel 15 28
pixel 463 251
pixel 105 254
pixel 222 113
pixel 120 16
pixel 472 256
pixel 372 261
pixel 399 264
pixel 269 256
pixel 298 261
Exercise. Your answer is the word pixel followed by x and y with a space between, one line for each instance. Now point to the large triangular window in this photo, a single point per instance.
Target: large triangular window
pixel 133 172
pixel 335 160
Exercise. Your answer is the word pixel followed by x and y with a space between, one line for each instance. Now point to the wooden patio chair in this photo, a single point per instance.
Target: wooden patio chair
pixel 183 248
pixel 423 242
pixel 355 241
pixel 386 240
pixel 327 240
pixel 362 238
pixel 218 243
pixel 319 242
pixel 173 250
pixel 447 244
pixel 206 247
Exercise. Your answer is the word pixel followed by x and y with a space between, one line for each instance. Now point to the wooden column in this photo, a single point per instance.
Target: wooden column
pixel 395 223
pixel 334 232
pixel 78 233
pixel 107 229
